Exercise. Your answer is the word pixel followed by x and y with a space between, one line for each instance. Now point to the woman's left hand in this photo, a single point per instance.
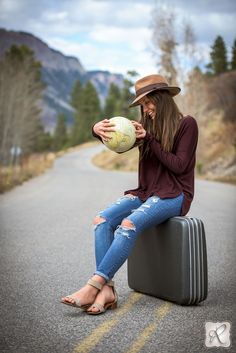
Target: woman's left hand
pixel 139 130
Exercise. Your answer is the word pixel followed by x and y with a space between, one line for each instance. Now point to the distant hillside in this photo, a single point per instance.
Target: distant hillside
pixel 59 72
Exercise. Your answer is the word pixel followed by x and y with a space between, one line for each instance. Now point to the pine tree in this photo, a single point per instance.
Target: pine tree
pixel 112 102
pixel 87 114
pixel 218 55
pixel 76 94
pixel 60 134
pixel 43 141
pixel 233 60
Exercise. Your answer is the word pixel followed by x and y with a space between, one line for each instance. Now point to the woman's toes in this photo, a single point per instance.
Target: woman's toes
pixel 68 300
pixel 65 299
pixel 93 309
pixel 90 308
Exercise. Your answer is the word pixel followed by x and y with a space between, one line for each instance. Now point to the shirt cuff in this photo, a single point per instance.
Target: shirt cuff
pixel 148 137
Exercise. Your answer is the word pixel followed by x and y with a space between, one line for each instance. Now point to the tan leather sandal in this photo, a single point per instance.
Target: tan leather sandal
pixel 100 307
pixel 76 302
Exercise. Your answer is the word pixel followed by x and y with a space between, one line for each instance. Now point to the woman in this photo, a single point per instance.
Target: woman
pixel 167 144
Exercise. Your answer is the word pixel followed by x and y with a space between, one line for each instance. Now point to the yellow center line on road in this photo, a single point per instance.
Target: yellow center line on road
pixel 148 331
pixel 90 342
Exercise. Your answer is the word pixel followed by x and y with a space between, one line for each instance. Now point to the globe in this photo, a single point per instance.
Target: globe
pixel 123 138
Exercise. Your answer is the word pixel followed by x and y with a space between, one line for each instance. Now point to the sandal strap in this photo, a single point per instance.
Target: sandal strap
pixel 76 301
pixel 110 283
pixel 95 284
pixel 98 306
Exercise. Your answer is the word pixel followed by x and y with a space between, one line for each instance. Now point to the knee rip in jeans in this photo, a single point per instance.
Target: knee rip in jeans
pixel 125 227
pixel 98 220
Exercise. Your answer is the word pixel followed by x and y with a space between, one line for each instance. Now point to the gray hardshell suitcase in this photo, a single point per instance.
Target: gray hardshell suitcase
pixel 169 261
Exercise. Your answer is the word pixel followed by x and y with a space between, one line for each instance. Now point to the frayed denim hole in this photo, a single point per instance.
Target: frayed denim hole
pixel 128 228
pixel 133 197
pixel 124 230
pixel 102 221
pixel 155 199
pixel 140 209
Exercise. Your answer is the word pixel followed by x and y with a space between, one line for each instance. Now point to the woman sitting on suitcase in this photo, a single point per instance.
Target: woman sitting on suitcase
pixel 167 144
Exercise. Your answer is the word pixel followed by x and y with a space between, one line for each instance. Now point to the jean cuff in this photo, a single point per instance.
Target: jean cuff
pixel 102 275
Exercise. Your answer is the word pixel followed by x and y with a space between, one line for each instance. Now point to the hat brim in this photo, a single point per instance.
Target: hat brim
pixel 173 91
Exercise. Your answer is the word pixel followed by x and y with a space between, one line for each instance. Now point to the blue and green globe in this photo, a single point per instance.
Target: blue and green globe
pixel 124 137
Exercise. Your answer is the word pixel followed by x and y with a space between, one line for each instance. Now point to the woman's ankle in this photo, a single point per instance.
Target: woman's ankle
pixel 99 279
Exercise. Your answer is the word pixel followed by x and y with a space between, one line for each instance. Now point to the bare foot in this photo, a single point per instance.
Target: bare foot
pixel 86 294
pixel 106 295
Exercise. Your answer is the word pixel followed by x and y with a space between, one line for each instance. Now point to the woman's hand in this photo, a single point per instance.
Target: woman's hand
pixel 102 127
pixel 139 130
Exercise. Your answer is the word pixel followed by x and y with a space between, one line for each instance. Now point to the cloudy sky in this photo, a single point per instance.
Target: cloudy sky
pixel 116 35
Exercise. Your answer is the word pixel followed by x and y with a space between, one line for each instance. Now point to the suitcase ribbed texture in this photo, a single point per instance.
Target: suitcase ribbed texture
pixel 170 261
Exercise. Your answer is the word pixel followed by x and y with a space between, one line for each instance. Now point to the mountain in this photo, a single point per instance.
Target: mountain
pixel 59 73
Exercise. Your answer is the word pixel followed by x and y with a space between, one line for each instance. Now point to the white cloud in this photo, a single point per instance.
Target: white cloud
pixel 209 25
pixel 10 5
pixel 115 60
pixel 136 38
pixel 115 35
pixel 53 16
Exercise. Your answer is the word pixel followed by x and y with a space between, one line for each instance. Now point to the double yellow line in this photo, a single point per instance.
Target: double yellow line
pixel 90 342
pixel 148 331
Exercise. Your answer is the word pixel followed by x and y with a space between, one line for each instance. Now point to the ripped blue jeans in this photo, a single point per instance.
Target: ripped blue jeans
pixel 114 241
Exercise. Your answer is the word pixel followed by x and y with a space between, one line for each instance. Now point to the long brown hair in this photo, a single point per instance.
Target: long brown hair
pixel 166 122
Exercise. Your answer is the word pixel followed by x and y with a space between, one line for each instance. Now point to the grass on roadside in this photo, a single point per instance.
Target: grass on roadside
pixel 109 160
pixel 29 167
pixel 128 162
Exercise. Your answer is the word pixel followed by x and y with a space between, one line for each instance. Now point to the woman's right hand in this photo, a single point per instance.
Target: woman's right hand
pixel 102 128
pixel 139 129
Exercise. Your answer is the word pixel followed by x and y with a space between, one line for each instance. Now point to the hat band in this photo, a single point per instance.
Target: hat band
pixel 150 88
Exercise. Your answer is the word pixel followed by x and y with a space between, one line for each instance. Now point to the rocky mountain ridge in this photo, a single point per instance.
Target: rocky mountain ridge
pixel 59 73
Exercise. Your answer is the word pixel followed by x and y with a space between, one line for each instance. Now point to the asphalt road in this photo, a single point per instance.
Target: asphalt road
pixel 46 240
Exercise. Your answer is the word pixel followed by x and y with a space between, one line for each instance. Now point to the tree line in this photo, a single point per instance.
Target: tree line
pixel 88 110
pixel 21 94
pixel 175 48
pixel 21 91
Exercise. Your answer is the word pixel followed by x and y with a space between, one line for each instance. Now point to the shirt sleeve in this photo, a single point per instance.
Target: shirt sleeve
pixel 186 146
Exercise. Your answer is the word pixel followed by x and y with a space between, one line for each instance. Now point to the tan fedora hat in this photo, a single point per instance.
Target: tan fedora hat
pixel 152 83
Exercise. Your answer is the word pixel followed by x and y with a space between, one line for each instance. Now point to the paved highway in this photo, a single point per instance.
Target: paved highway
pixel 46 240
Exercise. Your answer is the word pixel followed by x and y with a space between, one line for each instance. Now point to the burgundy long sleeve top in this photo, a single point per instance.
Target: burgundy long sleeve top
pixel 168 174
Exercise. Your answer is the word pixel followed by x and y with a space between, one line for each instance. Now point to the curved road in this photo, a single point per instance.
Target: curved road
pixel 46 240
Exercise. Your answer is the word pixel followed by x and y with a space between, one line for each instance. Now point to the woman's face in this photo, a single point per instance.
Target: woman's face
pixel 148 107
